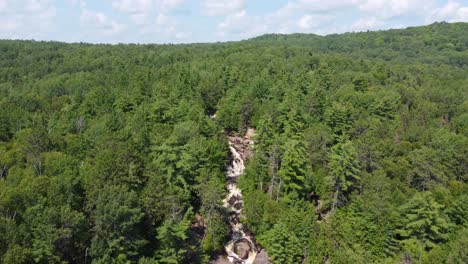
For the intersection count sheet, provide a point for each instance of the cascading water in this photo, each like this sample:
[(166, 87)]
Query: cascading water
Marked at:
[(241, 248)]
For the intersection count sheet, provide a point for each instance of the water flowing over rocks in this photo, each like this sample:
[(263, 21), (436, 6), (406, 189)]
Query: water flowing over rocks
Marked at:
[(241, 249)]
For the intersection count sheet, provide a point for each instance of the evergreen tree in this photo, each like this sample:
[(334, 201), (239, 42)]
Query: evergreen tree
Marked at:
[(173, 239), (293, 171), (360, 153), (423, 221), (339, 118), (282, 245), (117, 218), (344, 171)]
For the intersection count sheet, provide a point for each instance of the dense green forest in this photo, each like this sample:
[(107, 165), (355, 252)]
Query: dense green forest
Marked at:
[(108, 153)]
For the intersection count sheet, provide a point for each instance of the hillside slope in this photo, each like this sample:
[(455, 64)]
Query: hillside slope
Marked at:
[(437, 43), (111, 154)]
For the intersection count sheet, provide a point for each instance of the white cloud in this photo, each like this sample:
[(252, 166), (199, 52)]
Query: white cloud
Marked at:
[(146, 6), (242, 25), (221, 7), (323, 6), (369, 23), (386, 9), (99, 23), (140, 19), (3, 5), (451, 12), (152, 16), (167, 27), (160, 20), (295, 16), (79, 3), (235, 21), (168, 5), (133, 6), (308, 16), (8, 26), (36, 5), (26, 19), (307, 22)]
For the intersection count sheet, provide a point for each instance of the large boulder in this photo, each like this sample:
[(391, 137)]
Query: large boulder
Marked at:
[(242, 249)]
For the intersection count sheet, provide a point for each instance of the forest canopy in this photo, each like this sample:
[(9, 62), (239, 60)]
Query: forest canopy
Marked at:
[(108, 153)]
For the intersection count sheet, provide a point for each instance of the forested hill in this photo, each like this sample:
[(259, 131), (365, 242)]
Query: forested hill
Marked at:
[(110, 154), (436, 43)]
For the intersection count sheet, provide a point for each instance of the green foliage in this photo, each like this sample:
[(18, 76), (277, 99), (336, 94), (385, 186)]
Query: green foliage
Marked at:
[(427, 169), (344, 171), (456, 249), (293, 171), (291, 239), (172, 235), (116, 219), (111, 154), (339, 118), (423, 223), (283, 247)]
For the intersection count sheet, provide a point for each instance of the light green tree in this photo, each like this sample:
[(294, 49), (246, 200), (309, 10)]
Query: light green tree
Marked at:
[(293, 171), (423, 221)]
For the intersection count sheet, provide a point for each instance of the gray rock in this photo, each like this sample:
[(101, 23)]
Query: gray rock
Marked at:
[(242, 249)]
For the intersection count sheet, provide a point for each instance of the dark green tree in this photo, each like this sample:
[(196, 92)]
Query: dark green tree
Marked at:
[(116, 221), (344, 170)]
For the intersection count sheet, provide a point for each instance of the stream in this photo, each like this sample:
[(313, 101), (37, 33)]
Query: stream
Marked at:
[(241, 248)]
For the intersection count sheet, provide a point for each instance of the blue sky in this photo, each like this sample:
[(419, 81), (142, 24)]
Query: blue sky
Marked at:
[(183, 21)]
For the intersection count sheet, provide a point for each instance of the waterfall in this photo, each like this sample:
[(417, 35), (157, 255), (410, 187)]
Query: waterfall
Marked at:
[(241, 248)]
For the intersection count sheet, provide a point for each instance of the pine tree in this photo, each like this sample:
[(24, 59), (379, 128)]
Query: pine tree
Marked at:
[(116, 220), (339, 118), (172, 237), (282, 245), (293, 171), (343, 169), (423, 221)]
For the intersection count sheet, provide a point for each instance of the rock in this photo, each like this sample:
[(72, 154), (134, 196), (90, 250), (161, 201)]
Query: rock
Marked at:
[(250, 133), (234, 199), (239, 147), (262, 258), (220, 260), (242, 249)]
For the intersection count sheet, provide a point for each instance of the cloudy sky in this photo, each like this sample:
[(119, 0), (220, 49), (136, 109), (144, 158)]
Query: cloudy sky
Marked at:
[(181, 21)]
